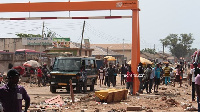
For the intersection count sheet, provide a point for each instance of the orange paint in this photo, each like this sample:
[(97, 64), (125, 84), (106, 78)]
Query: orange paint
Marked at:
[(69, 6), (135, 57), (88, 6)]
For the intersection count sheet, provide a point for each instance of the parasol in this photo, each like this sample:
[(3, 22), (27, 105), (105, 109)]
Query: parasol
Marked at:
[(31, 63), (110, 58), (143, 61)]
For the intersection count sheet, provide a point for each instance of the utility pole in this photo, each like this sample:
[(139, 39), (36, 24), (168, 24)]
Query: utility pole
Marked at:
[(80, 51), (107, 51), (154, 48), (163, 50), (123, 52), (41, 40)]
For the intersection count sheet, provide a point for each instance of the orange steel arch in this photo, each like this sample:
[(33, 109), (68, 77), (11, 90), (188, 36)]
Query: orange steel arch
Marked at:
[(89, 6)]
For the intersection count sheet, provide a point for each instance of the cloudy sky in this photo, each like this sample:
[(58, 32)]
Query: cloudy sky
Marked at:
[(158, 18)]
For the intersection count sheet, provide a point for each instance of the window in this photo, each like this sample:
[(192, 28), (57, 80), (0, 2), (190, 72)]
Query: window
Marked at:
[(67, 64)]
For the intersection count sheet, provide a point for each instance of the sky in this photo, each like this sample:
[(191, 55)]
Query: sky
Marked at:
[(158, 19)]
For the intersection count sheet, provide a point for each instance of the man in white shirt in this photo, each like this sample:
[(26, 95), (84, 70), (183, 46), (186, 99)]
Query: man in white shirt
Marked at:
[(151, 79), (194, 73), (197, 85), (1, 80)]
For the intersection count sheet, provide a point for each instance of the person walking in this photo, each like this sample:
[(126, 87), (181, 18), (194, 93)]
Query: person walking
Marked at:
[(123, 73), (12, 94), (151, 80), (157, 77), (197, 87), (32, 76), (45, 72), (39, 75), (146, 78), (106, 75), (178, 76), (101, 75), (167, 74), (83, 80), (129, 80), (117, 67), (115, 75), (140, 71), (1, 80), (110, 75), (194, 73)]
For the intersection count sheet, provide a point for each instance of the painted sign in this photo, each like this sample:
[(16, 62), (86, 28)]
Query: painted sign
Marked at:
[(55, 42), (37, 41), (61, 42)]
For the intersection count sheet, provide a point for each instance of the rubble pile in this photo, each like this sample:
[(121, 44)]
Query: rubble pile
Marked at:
[(172, 102), (188, 107), (59, 103)]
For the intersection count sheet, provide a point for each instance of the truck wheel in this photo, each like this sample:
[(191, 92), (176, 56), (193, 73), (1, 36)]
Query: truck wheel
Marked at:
[(52, 89), (92, 87), (68, 89), (77, 88)]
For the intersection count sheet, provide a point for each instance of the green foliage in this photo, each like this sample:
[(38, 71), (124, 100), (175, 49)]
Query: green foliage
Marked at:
[(151, 51), (179, 45), (49, 34), (27, 35)]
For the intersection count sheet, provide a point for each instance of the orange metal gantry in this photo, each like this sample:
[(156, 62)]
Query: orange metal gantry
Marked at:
[(89, 6)]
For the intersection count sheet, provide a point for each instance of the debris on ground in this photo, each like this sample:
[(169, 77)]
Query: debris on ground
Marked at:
[(171, 102)]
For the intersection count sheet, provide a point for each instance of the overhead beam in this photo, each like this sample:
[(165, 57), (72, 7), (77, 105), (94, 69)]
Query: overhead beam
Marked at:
[(69, 6), (91, 17)]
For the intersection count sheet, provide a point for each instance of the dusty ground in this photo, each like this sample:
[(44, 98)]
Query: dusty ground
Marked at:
[(168, 99)]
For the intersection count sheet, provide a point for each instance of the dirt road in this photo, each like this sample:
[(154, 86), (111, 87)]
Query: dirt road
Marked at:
[(168, 99)]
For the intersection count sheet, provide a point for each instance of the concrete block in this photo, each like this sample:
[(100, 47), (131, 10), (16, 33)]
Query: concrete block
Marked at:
[(134, 108)]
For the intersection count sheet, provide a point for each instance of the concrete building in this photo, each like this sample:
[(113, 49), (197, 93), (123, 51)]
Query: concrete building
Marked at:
[(121, 49), (10, 45)]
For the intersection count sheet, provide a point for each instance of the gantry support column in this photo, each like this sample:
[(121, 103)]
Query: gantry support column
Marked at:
[(135, 57)]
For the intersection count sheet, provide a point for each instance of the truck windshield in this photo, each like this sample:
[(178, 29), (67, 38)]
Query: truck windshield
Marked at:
[(67, 64)]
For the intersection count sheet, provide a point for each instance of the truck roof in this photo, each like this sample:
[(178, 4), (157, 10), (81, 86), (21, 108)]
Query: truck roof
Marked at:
[(75, 57)]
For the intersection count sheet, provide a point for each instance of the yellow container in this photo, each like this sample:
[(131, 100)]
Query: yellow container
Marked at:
[(112, 95)]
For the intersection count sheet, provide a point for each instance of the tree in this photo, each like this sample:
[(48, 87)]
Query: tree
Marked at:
[(179, 45), (151, 51), (27, 35), (49, 34)]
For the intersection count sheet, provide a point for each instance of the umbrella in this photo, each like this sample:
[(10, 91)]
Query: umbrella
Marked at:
[(20, 69), (110, 58), (31, 63), (143, 61)]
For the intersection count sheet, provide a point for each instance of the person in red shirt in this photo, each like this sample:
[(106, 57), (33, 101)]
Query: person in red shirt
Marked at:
[(39, 75), (20, 69), (129, 80)]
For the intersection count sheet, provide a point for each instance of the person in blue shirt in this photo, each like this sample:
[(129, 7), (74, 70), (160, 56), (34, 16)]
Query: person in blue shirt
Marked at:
[(157, 70)]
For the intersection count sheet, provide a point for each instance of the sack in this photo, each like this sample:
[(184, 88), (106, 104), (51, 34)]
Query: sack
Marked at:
[(171, 74)]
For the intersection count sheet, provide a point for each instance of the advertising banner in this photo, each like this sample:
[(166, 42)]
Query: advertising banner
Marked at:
[(61, 42), (55, 42), (37, 41)]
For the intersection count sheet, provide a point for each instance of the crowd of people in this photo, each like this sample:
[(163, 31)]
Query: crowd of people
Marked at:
[(36, 75), (148, 75)]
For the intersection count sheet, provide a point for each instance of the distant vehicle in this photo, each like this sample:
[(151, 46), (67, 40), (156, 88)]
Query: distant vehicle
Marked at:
[(66, 68)]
